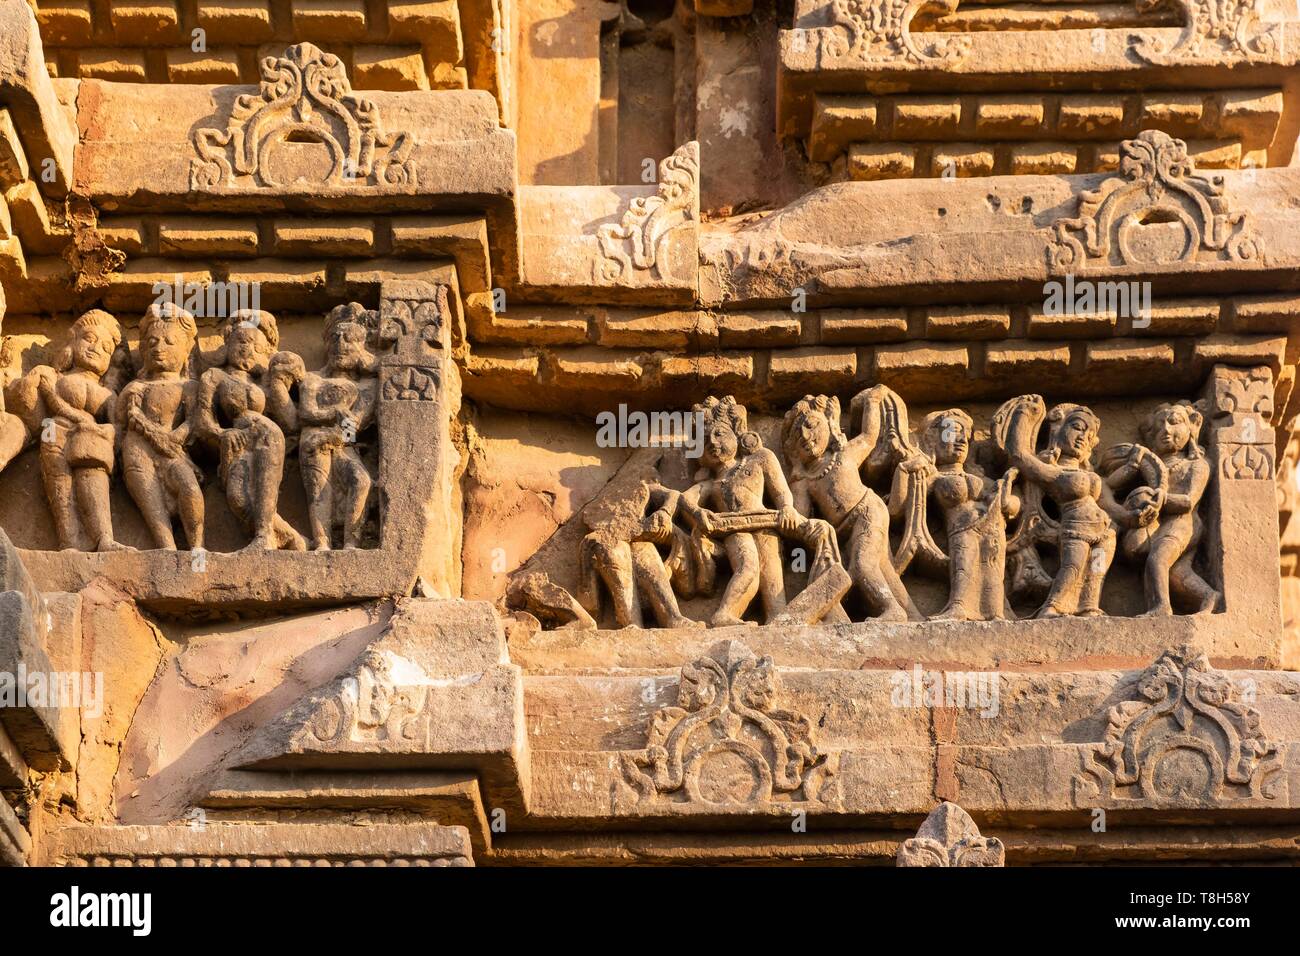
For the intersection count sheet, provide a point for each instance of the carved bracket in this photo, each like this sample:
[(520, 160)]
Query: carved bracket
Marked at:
[(949, 837), (304, 99), (639, 243), (725, 741), (1184, 739), (880, 31), (1155, 211)]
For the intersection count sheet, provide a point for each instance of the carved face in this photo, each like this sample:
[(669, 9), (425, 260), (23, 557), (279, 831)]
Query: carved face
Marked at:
[(1170, 430), (719, 443), (347, 347), (244, 348), (92, 350), (166, 346), (1076, 437), (952, 441), (812, 436)]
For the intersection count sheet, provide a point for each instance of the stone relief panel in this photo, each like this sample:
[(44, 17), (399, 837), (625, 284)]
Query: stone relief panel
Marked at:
[(169, 429), (1026, 513), (1184, 738)]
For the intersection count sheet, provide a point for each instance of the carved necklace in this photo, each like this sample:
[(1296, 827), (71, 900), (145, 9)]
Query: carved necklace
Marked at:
[(831, 461)]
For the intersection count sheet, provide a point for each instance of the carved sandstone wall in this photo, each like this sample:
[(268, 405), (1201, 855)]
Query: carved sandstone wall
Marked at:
[(617, 432)]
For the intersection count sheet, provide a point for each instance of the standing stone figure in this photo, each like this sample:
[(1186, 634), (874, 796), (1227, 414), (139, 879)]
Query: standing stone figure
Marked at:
[(70, 411), (1086, 532), (1168, 541), (153, 418), (825, 469), (336, 405), (230, 411), (975, 510)]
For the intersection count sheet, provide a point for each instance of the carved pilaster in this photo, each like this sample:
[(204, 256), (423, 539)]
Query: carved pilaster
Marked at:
[(418, 399), (1241, 447)]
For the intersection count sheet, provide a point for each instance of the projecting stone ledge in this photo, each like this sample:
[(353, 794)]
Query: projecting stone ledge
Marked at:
[(275, 844)]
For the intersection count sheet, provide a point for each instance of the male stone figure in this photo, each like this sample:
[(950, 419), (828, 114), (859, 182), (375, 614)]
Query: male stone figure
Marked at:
[(336, 405), (153, 418)]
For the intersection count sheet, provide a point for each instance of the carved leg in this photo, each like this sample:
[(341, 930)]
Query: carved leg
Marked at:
[(651, 579), (614, 564), (316, 467), (965, 579), (743, 554), (1191, 587), (1155, 576), (147, 493), (1063, 599), (184, 486), (267, 460), (357, 493), (93, 504), (771, 575), (1094, 577), (873, 573), (58, 489)]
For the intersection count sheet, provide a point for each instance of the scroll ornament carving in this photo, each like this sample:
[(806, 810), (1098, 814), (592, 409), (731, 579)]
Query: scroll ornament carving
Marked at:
[(304, 98), (881, 31), (726, 741), (1210, 27), (1127, 220), (372, 706), (1185, 739), (638, 243), (949, 837)]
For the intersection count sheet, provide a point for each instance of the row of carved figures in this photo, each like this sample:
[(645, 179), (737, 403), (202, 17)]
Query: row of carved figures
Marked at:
[(248, 402), (1028, 502)]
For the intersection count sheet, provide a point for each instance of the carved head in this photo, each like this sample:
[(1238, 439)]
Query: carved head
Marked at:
[(811, 428), (92, 340), (946, 436), (726, 431), (251, 338), (167, 336), (346, 333), (288, 366), (1074, 431), (702, 682), (1173, 429)]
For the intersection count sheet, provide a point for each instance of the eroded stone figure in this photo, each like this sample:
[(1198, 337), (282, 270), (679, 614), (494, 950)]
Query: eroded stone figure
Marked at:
[(1170, 500), (230, 411), (826, 480), (336, 405), (154, 421), (68, 411), (1085, 533), (623, 553), (741, 496), (975, 511)]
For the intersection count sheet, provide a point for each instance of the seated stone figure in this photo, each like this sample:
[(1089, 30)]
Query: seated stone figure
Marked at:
[(623, 553), (154, 422), (230, 411), (336, 405), (69, 411), (742, 497)]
